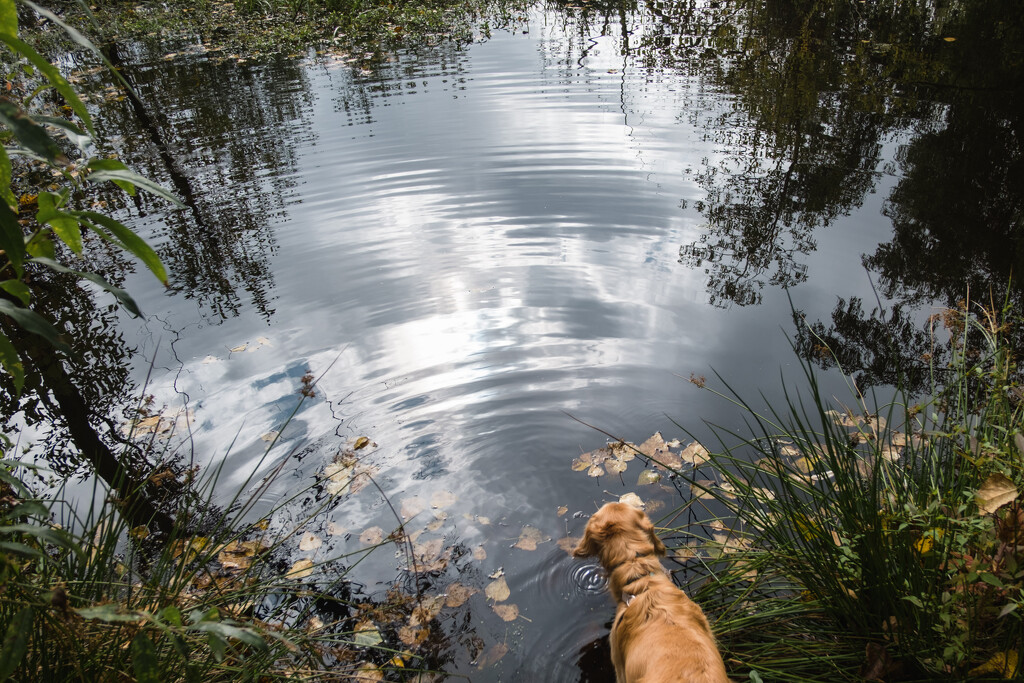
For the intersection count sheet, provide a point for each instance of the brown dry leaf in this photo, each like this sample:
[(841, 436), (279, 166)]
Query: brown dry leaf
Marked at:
[(996, 492), (310, 541), (615, 466), (686, 552), (632, 499), (562, 510), (361, 479), (367, 673), (701, 489), (438, 522), (239, 554), (695, 454), (338, 476), (428, 550), (361, 442), (529, 538), (271, 435), (457, 594), (496, 574), (427, 610), (239, 349), (412, 636), (595, 471), (372, 536), (479, 554), (654, 505), (442, 499), (412, 507), (578, 465), (506, 612), (623, 450), (300, 570), (491, 655), (497, 590), (335, 529), (568, 543), (654, 446), (314, 624), (190, 547)]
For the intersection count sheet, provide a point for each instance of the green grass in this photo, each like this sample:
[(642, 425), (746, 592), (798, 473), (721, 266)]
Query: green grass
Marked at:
[(878, 541)]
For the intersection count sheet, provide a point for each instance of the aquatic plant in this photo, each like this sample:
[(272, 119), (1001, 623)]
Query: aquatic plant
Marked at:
[(867, 541)]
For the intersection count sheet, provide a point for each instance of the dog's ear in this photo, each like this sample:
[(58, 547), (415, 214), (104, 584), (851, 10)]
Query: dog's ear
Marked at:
[(659, 547), (593, 535)]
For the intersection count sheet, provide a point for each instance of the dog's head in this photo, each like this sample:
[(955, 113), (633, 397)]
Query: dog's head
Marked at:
[(618, 532)]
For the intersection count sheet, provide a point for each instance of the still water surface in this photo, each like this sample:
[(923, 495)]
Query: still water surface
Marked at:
[(469, 245)]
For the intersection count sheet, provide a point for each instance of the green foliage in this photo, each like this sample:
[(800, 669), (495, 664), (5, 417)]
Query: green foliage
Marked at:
[(65, 148), (881, 543)]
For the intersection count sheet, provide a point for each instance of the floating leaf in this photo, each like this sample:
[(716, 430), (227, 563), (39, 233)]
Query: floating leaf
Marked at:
[(361, 442), (595, 471), (457, 594), (654, 447), (648, 477), (529, 538), (479, 554), (365, 634), (568, 543), (271, 435), (695, 454), (623, 450), (442, 499), (300, 570), (240, 554), (412, 507), (372, 536), (506, 612), (491, 655), (616, 466), (410, 635), (996, 492), (496, 574), (498, 590), (561, 510), (335, 529), (239, 349), (427, 610), (632, 499), (310, 541)]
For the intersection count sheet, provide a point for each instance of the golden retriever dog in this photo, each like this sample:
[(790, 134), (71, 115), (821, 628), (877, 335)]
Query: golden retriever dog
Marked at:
[(659, 635)]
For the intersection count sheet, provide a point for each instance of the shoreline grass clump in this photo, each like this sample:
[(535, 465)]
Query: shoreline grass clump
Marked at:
[(874, 542), (221, 598)]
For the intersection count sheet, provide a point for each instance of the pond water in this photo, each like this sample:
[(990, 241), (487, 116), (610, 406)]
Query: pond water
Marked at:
[(469, 246)]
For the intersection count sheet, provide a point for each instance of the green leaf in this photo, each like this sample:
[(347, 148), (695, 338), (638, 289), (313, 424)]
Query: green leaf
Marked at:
[(15, 642), (128, 179), (171, 615), (109, 613), (12, 363), (128, 239), (34, 323), (217, 645), (41, 245), (246, 635), (5, 177), (17, 289), (15, 548), (30, 134), (144, 660), (64, 224), (12, 239), (8, 27), (78, 136), (914, 601), (121, 295), (59, 82)]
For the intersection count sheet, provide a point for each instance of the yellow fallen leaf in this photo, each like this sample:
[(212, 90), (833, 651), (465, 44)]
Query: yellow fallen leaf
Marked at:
[(1004, 664), (309, 541), (695, 454), (648, 477), (561, 510), (595, 471), (497, 590), (361, 442), (410, 635), (506, 612), (300, 570), (271, 435), (365, 634)]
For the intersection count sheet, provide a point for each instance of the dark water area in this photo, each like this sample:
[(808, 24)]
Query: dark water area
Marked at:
[(469, 244)]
